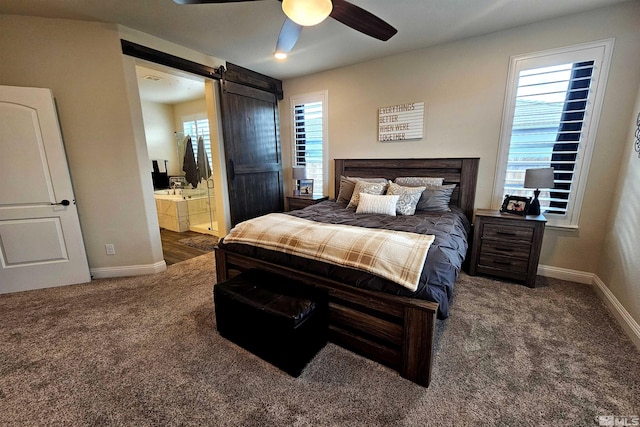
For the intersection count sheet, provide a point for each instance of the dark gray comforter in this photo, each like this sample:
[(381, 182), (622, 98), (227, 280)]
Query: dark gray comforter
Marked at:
[(442, 265)]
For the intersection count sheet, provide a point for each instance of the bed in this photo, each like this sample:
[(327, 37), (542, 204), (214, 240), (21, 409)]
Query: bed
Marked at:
[(372, 316)]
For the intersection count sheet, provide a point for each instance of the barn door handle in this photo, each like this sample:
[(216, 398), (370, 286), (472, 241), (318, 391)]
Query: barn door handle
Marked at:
[(64, 202), (232, 170)]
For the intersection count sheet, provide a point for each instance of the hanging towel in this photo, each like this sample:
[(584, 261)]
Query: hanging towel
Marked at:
[(189, 166), (203, 160)]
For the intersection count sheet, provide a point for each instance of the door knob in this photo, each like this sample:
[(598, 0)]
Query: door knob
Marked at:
[(64, 202)]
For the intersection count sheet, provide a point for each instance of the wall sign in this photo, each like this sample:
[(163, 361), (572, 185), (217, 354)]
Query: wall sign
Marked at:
[(400, 122)]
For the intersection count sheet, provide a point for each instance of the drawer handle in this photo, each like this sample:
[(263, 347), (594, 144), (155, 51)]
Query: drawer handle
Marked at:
[(502, 262), (506, 233), (504, 249)]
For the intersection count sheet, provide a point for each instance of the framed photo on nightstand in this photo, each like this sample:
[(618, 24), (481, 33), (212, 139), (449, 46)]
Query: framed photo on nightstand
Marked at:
[(306, 187), (516, 205)]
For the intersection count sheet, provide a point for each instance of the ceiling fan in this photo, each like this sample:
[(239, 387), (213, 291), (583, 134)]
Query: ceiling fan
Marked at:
[(305, 13)]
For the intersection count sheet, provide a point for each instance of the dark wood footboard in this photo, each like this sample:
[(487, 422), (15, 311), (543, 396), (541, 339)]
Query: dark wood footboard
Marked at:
[(392, 330)]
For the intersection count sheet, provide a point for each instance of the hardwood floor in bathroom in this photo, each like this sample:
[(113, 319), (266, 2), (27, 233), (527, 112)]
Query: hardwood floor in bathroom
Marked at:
[(173, 250)]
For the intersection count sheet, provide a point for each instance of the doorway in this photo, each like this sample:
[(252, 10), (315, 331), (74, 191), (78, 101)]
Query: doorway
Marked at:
[(180, 141)]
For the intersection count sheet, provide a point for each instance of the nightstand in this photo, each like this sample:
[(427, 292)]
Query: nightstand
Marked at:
[(302, 201), (507, 245)]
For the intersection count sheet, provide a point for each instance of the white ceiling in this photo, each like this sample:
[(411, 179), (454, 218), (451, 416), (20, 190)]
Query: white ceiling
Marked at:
[(172, 87), (245, 33)]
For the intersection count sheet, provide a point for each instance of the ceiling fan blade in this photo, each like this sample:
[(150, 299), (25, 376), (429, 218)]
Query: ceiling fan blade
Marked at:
[(360, 20), (208, 1), (288, 37)]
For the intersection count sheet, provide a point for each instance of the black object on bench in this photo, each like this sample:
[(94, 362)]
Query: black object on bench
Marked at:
[(278, 319)]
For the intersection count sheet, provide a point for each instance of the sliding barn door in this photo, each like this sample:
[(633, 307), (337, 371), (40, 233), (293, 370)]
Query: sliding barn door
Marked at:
[(41, 242), (252, 151)]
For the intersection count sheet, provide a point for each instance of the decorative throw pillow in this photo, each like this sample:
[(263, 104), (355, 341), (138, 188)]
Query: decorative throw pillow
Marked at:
[(368, 188), (377, 204), (418, 181), (408, 200), (436, 198), (347, 184)]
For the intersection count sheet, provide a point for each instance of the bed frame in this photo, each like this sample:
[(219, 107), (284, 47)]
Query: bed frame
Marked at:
[(393, 330)]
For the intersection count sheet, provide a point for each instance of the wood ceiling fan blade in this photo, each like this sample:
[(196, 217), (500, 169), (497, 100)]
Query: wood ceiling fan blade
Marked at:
[(208, 1), (360, 20), (288, 37)]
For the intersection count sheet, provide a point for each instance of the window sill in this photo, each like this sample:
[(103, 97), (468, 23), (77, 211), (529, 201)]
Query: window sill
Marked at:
[(560, 227)]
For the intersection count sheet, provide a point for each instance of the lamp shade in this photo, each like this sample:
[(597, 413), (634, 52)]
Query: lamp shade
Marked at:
[(299, 173), (539, 178), (307, 12)]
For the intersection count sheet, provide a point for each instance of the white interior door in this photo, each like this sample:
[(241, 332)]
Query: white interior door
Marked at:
[(40, 238)]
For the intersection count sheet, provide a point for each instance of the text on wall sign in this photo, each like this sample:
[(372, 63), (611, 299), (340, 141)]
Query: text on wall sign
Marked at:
[(400, 122)]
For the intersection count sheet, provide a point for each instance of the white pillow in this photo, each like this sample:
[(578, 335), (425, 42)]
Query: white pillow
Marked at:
[(377, 204)]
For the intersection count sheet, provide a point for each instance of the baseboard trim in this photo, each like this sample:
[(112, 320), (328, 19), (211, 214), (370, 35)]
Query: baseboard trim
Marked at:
[(566, 274), (128, 270), (628, 323)]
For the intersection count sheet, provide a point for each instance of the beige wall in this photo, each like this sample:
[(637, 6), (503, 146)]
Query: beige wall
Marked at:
[(463, 87), (620, 265), (160, 123), (99, 107), (83, 64), (159, 131), (187, 109)]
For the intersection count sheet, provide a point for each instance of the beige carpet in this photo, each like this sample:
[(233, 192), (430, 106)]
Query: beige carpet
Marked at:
[(145, 352)]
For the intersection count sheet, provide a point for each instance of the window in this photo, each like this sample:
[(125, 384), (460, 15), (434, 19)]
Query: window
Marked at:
[(309, 126), (550, 120), (196, 128)]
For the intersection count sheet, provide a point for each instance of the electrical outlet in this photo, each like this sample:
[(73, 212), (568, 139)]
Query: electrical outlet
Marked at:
[(110, 248)]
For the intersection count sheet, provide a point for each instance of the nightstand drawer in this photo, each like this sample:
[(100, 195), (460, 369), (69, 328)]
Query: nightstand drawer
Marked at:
[(513, 265), (301, 202), (504, 248), (295, 204), (507, 232)]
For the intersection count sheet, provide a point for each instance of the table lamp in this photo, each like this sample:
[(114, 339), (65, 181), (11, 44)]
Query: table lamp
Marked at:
[(299, 172), (537, 178)]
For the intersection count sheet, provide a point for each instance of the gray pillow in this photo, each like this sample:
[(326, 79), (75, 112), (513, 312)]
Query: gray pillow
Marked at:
[(347, 184), (436, 198), (418, 181), (409, 197), (376, 188)]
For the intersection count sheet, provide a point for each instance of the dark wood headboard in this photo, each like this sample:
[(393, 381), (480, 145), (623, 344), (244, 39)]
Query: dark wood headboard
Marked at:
[(461, 171)]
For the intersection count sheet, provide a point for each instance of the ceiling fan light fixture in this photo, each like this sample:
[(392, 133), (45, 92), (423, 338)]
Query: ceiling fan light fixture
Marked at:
[(281, 56), (307, 12)]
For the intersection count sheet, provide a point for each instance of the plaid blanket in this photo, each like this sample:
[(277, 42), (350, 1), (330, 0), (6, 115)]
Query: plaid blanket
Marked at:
[(395, 255)]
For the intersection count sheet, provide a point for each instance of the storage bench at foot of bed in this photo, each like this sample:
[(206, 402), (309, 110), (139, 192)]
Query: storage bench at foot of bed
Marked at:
[(282, 321), (392, 330)]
